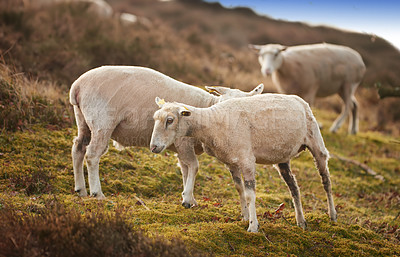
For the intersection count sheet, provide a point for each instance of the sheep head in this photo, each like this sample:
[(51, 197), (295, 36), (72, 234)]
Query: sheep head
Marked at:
[(168, 125), (269, 57)]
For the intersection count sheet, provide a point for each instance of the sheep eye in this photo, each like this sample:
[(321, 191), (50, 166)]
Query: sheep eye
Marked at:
[(169, 121)]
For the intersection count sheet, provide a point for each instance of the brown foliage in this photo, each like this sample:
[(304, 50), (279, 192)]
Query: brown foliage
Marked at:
[(193, 41), (24, 102), (57, 232), (36, 182)]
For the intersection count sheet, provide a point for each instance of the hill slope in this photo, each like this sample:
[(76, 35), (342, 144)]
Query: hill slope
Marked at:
[(36, 178), (210, 22), (44, 50)]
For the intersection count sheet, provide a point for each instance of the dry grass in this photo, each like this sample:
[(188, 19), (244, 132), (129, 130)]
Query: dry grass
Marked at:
[(55, 231), (198, 43), (24, 102), (229, 32)]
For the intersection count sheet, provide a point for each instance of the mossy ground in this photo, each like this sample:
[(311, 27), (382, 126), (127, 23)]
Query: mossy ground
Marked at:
[(36, 168)]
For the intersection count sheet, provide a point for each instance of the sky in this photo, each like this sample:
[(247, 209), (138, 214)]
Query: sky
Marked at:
[(380, 17)]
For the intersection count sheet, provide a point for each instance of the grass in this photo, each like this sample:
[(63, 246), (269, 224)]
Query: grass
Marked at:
[(24, 102), (41, 215), (36, 169)]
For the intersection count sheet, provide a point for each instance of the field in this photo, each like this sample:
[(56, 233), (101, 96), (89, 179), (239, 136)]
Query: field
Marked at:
[(40, 215), (143, 191)]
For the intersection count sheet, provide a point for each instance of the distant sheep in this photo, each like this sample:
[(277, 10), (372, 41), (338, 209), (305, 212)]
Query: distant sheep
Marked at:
[(99, 7), (317, 70), (128, 18), (267, 129), (117, 102)]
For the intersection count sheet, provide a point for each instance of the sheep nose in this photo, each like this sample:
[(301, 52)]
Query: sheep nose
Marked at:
[(266, 72), (153, 148)]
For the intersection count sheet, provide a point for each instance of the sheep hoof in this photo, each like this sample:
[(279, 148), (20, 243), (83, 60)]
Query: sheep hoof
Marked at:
[(186, 205), (333, 130), (302, 224), (98, 196), (333, 217), (81, 192), (252, 228)]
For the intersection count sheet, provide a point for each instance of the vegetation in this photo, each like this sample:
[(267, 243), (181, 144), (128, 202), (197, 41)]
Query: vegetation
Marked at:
[(36, 174), (58, 232), (24, 102), (44, 50)]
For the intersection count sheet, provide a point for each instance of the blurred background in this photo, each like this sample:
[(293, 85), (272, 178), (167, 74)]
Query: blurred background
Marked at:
[(45, 45)]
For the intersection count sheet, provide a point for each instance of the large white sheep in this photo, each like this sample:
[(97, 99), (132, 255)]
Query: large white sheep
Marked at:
[(316, 70), (267, 129), (117, 102)]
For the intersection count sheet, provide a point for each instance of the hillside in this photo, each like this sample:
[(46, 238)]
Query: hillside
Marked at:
[(43, 50), (210, 22), (193, 41)]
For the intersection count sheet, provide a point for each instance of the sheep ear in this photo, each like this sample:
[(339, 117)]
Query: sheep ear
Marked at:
[(214, 90), (255, 48), (283, 48), (159, 102), (186, 113), (218, 90), (258, 90), (211, 89)]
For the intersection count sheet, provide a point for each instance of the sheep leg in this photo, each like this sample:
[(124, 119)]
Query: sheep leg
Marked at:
[(353, 126), (190, 167), (322, 165), (324, 173), (250, 195), (188, 198), (310, 99), (97, 147), (310, 96), (79, 151), (321, 156), (184, 171), (289, 178), (345, 95), (237, 178)]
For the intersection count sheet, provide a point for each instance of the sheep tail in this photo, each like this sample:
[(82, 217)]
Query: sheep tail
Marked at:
[(73, 94)]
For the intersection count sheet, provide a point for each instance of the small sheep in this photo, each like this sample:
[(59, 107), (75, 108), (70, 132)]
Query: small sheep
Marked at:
[(128, 19), (117, 102), (266, 129), (317, 70)]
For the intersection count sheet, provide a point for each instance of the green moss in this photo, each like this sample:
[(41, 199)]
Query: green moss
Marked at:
[(367, 208)]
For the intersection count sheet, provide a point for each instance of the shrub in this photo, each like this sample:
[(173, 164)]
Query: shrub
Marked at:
[(25, 102), (37, 182), (57, 232)]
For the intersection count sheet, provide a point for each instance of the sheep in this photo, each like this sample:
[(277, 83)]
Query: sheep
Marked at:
[(316, 70), (99, 7), (116, 102), (266, 129), (128, 19)]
